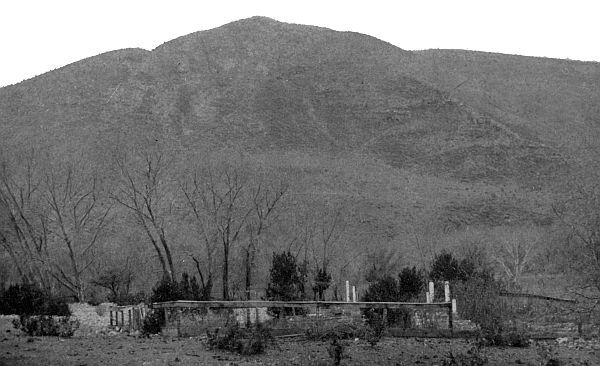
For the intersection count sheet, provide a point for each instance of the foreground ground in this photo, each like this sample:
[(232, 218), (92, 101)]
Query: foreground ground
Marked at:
[(120, 349)]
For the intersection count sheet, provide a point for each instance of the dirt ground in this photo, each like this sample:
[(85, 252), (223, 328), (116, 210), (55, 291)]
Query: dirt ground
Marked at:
[(121, 349)]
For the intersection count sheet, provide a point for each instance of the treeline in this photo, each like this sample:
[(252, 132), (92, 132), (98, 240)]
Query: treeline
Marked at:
[(74, 228), (112, 230)]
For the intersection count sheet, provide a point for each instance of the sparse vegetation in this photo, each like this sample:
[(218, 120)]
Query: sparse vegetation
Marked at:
[(46, 325), (245, 341), (28, 299), (321, 161), (473, 357)]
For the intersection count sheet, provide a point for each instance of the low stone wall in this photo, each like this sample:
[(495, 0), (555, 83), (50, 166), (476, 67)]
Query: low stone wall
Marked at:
[(92, 319), (189, 322)]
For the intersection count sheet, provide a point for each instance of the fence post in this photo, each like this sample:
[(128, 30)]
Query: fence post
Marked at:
[(347, 291), (450, 320), (431, 291), (446, 291), (129, 316), (111, 317), (454, 309), (353, 293)]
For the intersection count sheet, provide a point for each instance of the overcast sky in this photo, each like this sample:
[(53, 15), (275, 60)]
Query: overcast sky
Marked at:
[(38, 36)]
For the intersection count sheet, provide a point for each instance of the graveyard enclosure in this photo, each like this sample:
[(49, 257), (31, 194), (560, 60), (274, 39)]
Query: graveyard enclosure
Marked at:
[(193, 318)]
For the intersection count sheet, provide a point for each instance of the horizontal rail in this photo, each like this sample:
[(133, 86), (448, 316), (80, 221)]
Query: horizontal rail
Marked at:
[(294, 304), (533, 296)]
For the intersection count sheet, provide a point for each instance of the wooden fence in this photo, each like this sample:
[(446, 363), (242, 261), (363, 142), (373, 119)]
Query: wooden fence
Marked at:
[(129, 318)]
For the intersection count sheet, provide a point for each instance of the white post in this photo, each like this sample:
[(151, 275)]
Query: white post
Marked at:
[(353, 293), (347, 291), (431, 291), (454, 309), (428, 297), (446, 291)]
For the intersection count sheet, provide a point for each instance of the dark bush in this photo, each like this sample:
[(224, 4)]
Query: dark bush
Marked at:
[(383, 290), (285, 282), (27, 299), (46, 325), (245, 341), (153, 322), (375, 329), (411, 282), (166, 290), (322, 283), (446, 268)]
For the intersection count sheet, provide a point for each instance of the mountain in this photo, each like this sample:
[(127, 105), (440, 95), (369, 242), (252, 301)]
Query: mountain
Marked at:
[(423, 144)]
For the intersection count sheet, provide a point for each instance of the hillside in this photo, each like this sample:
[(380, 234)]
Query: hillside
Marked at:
[(422, 144)]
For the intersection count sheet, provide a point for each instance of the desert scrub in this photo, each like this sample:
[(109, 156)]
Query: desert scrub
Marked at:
[(46, 325), (334, 331), (153, 322), (245, 341), (27, 299), (473, 357)]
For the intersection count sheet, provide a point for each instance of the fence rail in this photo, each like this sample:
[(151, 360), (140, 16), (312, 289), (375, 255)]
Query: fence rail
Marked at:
[(534, 296), (294, 304)]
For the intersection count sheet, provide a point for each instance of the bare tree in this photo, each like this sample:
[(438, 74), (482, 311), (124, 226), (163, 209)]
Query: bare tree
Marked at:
[(265, 199), (514, 252), (227, 209), (143, 189), (194, 191), (23, 230), (580, 215), (77, 216)]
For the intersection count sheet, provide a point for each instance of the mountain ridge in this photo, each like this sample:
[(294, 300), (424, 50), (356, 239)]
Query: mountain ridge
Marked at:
[(391, 131)]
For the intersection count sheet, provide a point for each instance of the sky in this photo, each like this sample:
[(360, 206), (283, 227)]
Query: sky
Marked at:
[(39, 36)]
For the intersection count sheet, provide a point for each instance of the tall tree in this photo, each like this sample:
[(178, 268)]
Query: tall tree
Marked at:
[(78, 214), (579, 212), (143, 188), (23, 224)]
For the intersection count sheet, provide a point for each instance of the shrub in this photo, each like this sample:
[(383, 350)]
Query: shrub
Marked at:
[(473, 357), (245, 341), (322, 283), (153, 322), (335, 331), (27, 299), (284, 284), (375, 329), (166, 290), (336, 351), (46, 325), (411, 283), (501, 338), (446, 268)]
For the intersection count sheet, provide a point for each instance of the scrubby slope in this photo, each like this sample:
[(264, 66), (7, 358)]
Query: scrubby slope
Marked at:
[(418, 142)]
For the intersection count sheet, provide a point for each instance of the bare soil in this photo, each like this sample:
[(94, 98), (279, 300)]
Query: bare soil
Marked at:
[(121, 349)]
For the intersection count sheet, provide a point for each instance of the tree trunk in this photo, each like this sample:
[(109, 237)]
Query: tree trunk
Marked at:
[(225, 272)]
